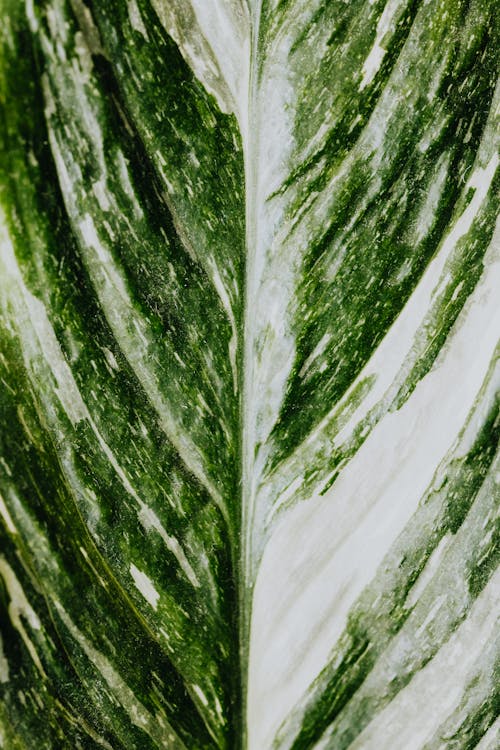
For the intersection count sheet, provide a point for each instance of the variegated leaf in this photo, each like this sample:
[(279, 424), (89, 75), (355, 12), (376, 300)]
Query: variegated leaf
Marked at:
[(249, 325)]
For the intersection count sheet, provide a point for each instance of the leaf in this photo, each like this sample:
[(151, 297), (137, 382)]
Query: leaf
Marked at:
[(249, 362)]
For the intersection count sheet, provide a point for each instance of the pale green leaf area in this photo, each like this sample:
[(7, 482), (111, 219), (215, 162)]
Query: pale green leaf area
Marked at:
[(249, 375)]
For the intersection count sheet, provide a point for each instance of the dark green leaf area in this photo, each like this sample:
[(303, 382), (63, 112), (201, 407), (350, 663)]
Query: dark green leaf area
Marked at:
[(116, 460), (382, 231), (354, 666), (54, 709), (334, 83), (125, 222), (195, 148), (64, 560), (109, 390)]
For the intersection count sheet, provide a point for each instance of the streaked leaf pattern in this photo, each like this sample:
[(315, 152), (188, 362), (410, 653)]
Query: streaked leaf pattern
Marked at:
[(249, 338)]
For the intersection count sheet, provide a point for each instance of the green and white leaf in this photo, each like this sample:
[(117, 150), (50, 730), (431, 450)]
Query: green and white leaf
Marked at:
[(249, 338)]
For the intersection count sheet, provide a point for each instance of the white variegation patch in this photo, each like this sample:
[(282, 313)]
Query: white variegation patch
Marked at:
[(20, 610), (214, 38), (145, 586), (4, 664)]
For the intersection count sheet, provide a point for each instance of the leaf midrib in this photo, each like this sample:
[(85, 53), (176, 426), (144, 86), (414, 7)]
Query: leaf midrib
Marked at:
[(249, 136)]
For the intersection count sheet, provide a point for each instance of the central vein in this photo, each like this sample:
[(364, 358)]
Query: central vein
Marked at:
[(249, 132)]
